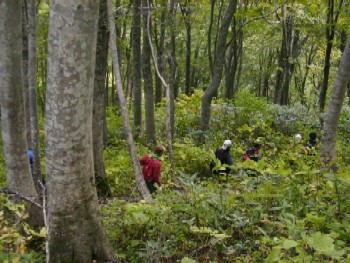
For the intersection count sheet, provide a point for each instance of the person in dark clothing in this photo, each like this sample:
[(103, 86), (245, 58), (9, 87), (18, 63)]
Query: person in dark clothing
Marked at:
[(253, 153), (223, 155), (312, 142), (151, 168), (30, 157), (310, 145)]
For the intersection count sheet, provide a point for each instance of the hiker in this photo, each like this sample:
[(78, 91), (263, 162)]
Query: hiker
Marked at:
[(151, 168), (30, 157), (253, 153), (311, 144), (223, 155)]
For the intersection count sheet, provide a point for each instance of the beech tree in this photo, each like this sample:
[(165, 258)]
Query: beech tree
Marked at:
[(13, 123), (328, 141), (32, 94), (136, 65), (72, 199), (99, 102), (148, 81), (219, 57)]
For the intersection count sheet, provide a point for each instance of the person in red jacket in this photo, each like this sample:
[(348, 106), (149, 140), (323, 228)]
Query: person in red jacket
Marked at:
[(151, 168)]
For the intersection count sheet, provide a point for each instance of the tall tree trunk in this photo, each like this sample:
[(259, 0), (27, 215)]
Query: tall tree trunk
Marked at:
[(332, 19), (328, 141), (19, 178), (217, 66), (173, 66), (99, 108), (140, 182), (33, 101), (186, 13), (160, 55), (148, 81), (72, 199), (25, 70), (136, 60)]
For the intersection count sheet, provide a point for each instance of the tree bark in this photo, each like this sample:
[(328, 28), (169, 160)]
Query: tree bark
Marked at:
[(217, 66), (148, 82), (186, 13), (19, 177), (332, 19), (33, 101), (98, 116), (72, 199), (140, 182), (328, 141), (160, 55), (136, 60), (25, 71)]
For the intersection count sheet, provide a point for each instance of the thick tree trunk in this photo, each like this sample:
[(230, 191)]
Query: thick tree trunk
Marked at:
[(19, 178), (72, 199), (148, 82), (217, 66), (328, 141), (98, 116), (33, 101), (140, 182), (136, 60)]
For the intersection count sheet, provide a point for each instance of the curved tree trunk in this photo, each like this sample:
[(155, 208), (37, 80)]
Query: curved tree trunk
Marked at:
[(72, 199), (140, 182), (328, 142), (19, 178), (217, 66), (98, 112)]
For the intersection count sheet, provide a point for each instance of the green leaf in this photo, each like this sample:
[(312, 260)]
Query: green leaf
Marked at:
[(274, 256), (187, 260), (320, 242), (288, 243)]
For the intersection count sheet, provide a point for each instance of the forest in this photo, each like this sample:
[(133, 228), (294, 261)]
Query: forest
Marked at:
[(89, 87)]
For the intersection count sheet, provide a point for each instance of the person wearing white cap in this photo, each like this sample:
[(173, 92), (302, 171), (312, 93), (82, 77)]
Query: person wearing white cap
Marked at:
[(223, 154)]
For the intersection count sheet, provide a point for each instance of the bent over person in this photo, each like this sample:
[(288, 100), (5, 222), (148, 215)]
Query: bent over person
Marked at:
[(223, 154), (151, 168)]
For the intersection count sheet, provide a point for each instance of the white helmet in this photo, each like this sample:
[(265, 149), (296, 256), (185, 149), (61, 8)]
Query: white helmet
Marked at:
[(297, 137), (227, 144)]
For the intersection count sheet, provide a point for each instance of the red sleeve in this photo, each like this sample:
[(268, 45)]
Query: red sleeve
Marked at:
[(156, 172)]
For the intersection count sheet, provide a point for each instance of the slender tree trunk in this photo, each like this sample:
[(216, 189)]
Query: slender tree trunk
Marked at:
[(25, 71), (148, 81), (19, 178), (33, 101), (160, 55), (328, 141), (136, 60), (140, 182), (332, 18), (99, 107), (186, 13), (169, 99), (217, 67), (72, 198), (173, 66)]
